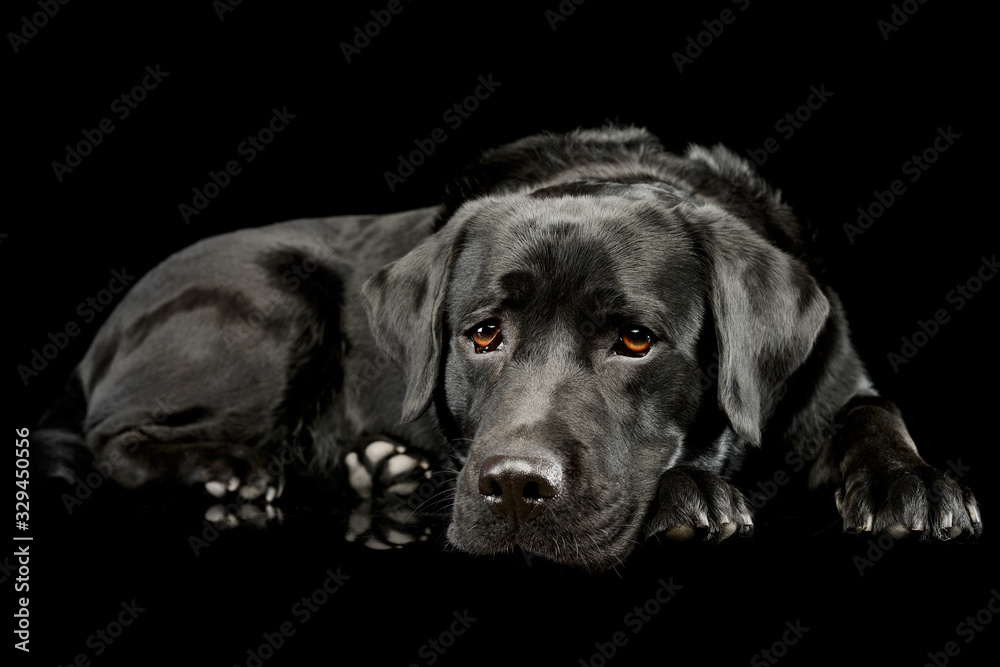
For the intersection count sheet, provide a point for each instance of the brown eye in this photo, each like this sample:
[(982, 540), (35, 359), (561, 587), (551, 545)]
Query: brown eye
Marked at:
[(487, 336), (634, 342)]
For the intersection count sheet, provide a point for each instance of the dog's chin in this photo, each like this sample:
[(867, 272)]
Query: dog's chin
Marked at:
[(566, 547)]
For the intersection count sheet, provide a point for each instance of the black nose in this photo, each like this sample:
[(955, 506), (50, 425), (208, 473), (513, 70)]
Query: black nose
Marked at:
[(516, 487)]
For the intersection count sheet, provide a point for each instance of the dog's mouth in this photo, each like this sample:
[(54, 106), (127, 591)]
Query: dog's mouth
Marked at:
[(596, 542)]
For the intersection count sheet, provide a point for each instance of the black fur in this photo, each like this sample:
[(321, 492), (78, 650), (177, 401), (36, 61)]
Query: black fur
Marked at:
[(570, 444)]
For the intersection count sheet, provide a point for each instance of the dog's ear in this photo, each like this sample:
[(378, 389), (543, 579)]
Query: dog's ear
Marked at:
[(404, 302), (768, 311)]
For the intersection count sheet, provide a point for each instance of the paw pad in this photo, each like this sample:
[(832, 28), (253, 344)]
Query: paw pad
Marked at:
[(383, 466), (244, 503)]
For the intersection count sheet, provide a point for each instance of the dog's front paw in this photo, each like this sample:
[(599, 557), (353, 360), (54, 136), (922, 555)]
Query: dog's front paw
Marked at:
[(384, 474), (696, 503), (243, 486), (244, 501), (385, 469), (387, 528), (907, 498)]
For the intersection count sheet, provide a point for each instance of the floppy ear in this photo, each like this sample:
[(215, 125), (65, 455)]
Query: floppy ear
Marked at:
[(768, 312), (404, 302)]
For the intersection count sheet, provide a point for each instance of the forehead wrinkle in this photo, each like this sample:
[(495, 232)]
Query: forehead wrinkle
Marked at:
[(572, 246)]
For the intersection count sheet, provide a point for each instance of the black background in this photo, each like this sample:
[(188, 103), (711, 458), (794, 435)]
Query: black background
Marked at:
[(606, 61)]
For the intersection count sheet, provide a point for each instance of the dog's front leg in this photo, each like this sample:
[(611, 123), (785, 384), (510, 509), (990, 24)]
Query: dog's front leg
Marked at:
[(698, 504), (884, 486)]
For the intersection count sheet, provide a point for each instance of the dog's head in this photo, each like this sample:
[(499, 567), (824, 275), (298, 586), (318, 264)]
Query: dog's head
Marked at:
[(563, 317)]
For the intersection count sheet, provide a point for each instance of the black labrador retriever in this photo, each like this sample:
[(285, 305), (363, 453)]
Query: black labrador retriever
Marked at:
[(547, 328)]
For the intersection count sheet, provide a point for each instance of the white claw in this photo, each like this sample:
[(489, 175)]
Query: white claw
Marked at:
[(234, 483), (973, 514), (727, 530)]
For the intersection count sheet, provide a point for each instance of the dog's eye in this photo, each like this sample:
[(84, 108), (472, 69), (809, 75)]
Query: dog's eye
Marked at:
[(634, 342), (486, 336)]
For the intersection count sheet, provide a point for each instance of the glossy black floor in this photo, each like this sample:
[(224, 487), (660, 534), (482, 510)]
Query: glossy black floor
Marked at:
[(134, 582), (136, 579)]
